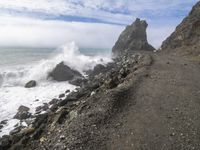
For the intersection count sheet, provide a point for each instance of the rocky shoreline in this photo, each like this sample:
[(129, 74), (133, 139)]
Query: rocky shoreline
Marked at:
[(88, 118), (113, 78)]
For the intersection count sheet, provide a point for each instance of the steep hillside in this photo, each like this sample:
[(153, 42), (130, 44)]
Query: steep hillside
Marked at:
[(187, 33)]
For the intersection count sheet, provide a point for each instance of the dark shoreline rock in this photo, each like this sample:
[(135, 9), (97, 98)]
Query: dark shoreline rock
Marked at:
[(63, 72), (31, 84), (23, 113)]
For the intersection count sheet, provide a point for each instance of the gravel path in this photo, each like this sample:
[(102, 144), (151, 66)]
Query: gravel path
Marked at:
[(165, 112)]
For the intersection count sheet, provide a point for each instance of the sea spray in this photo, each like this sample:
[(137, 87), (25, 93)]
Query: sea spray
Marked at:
[(12, 81), (69, 53)]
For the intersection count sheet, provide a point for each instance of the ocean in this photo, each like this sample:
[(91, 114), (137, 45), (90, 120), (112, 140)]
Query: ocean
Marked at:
[(20, 65)]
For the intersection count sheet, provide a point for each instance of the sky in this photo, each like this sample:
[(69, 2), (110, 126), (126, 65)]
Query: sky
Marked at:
[(89, 23)]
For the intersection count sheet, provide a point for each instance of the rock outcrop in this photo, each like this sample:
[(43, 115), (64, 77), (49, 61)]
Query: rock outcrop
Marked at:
[(23, 113), (63, 72), (187, 33), (133, 38)]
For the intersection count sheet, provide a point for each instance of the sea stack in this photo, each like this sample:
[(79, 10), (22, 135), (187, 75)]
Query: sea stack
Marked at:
[(187, 33), (133, 38)]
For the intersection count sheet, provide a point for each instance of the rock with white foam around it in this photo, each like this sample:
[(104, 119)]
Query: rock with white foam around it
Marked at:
[(23, 113), (63, 72), (31, 84)]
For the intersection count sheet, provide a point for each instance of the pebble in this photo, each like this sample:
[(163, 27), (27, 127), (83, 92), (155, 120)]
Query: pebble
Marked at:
[(62, 137)]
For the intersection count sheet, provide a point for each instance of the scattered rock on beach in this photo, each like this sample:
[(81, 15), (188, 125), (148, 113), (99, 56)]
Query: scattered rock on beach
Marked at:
[(53, 101), (31, 84), (23, 113), (61, 95), (78, 81), (67, 91), (4, 122)]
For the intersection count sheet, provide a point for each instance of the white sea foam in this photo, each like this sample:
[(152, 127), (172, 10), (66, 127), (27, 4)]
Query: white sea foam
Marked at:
[(12, 81)]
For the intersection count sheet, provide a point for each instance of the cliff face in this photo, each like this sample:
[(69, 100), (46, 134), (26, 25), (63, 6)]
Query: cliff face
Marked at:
[(133, 38), (187, 33)]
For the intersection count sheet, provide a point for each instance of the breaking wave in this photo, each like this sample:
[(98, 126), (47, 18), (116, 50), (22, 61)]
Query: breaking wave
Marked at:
[(68, 53)]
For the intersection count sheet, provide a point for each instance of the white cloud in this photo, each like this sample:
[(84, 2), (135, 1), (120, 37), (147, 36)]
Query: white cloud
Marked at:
[(20, 31), (16, 30), (125, 10)]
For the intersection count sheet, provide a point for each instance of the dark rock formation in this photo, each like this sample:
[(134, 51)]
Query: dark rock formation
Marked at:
[(4, 122), (61, 95), (23, 113), (99, 68), (31, 84), (44, 107), (78, 81), (187, 33), (133, 38), (63, 72), (5, 143)]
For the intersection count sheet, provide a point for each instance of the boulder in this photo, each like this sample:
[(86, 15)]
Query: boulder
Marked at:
[(31, 84), (63, 72), (44, 107), (4, 122), (61, 95), (23, 113), (67, 91), (99, 68), (133, 38), (53, 101), (187, 33), (40, 119), (78, 81), (5, 143)]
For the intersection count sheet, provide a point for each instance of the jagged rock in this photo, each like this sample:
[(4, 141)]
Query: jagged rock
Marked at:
[(63, 72), (40, 119), (53, 101), (31, 84), (4, 122), (99, 68), (78, 81), (16, 130), (61, 95), (67, 91), (66, 100), (54, 107), (187, 33), (5, 143), (44, 107), (23, 113), (133, 38)]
